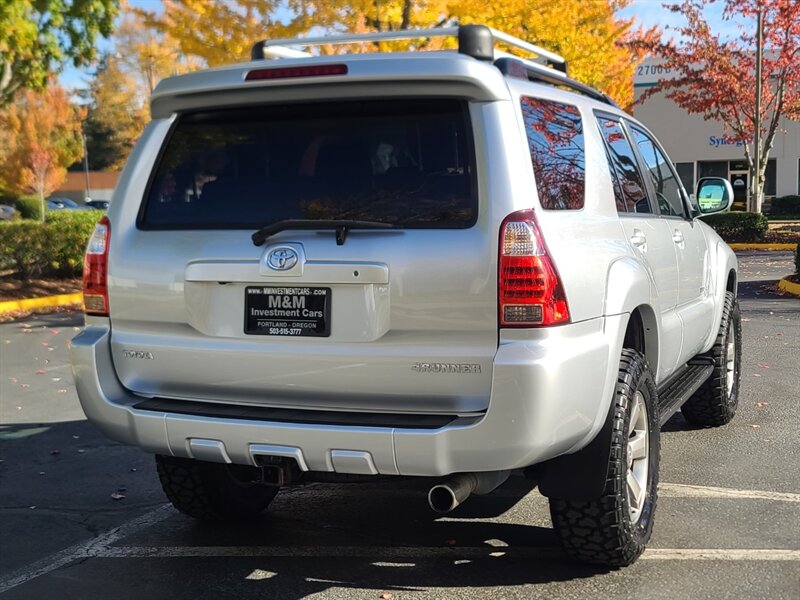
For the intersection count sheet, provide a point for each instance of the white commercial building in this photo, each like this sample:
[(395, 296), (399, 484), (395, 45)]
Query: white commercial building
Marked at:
[(699, 148)]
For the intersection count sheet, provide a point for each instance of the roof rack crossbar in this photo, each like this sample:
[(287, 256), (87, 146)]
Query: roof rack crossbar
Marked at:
[(473, 40), (531, 71)]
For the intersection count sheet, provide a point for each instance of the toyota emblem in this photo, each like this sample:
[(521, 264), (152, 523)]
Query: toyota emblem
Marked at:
[(282, 259)]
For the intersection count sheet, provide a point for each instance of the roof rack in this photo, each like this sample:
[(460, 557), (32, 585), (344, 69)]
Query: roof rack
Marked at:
[(476, 41), (531, 71)]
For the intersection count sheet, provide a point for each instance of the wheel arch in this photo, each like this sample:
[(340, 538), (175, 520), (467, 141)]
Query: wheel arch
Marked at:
[(581, 475)]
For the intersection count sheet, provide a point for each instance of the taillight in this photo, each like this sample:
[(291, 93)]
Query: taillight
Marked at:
[(530, 293), (291, 72), (95, 270)]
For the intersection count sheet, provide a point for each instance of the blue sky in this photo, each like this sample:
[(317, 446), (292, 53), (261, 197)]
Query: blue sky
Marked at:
[(646, 12)]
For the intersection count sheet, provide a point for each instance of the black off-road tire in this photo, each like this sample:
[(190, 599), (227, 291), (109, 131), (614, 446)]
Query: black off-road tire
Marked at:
[(211, 491), (603, 531), (713, 404)]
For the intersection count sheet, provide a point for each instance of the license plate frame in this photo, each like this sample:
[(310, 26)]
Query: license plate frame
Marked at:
[(287, 311)]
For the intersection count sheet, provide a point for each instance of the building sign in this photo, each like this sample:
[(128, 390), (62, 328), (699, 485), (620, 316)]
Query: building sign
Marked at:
[(718, 141)]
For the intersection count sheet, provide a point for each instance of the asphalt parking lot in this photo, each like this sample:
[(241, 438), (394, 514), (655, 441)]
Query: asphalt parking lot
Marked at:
[(84, 517)]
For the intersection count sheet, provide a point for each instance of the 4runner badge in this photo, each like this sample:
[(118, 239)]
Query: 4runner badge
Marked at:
[(445, 368), (138, 354)]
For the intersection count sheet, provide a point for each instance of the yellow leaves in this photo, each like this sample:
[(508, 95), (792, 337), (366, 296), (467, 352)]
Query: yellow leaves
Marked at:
[(585, 32), (41, 135)]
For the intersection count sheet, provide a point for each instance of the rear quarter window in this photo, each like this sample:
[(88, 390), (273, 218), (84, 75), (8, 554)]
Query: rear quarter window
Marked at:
[(556, 143), (405, 162)]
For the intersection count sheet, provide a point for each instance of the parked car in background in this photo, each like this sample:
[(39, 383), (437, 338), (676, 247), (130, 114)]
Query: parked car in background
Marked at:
[(7, 213), (97, 204), (64, 204)]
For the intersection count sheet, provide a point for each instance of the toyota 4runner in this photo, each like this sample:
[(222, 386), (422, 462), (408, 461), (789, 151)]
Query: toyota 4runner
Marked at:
[(448, 264)]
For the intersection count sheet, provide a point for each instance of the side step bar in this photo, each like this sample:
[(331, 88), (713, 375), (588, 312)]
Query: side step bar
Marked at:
[(678, 388)]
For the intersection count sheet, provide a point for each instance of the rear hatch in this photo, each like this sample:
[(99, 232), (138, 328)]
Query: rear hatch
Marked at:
[(379, 295)]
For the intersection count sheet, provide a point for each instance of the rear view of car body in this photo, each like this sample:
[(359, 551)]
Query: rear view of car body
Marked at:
[(199, 346)]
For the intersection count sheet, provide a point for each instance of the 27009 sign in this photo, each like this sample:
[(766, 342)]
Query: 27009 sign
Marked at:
[(287, 311)]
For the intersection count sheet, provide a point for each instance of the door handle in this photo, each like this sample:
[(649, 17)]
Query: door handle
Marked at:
[(639, 240), (677, 237)]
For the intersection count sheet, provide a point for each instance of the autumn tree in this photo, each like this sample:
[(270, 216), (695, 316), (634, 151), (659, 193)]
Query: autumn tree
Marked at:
[(716, 77), (587, 34), (219, 32), (117, 115), (42, 136), (40, 36), (148, 53)]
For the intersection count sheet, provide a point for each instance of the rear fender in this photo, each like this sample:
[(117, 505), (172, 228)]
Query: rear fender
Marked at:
[(582, 474)]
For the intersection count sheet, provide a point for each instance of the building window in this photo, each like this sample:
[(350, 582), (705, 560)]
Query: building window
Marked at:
[(686, 173), (771, 178), (712, 168)]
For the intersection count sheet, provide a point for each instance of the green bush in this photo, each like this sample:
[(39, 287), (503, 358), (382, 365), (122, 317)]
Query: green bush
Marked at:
[(785, 206), (739, 226), (29, 207), (51, 249)]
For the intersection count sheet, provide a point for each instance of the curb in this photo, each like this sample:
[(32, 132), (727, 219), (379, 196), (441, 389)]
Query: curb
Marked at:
[(789, 287), (45, 302), (744, 246)]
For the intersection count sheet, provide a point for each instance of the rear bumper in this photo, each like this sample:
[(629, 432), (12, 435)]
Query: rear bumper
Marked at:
[(551, 390)]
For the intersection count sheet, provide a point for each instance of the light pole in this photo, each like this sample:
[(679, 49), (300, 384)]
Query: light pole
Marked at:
[(86, 195), (756, 204)]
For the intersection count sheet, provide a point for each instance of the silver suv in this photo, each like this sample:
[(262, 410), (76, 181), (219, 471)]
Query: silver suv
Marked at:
[(449, 265)]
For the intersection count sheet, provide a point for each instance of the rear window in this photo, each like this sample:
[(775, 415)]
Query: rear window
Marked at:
[(408, 163), (555, 140)]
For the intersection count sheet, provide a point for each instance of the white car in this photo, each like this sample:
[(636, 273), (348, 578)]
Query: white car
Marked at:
[(449, 265)]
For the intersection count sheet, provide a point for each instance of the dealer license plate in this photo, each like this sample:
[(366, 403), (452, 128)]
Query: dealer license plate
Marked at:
[(287, 311)]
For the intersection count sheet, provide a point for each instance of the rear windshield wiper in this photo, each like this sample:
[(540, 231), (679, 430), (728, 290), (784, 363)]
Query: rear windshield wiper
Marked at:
[(341, 227)]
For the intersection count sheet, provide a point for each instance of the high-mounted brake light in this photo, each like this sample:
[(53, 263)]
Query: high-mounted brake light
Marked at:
[(290, 72), (95, 270), (530, 293)]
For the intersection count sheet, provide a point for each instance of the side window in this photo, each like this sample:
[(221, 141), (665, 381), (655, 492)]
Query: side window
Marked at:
[(555, 140), (665, 182), (628, 183)]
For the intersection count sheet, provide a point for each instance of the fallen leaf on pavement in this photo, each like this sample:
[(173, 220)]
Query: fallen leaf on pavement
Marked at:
[(55, 331), (761, 404), (764, 366), (41, 372), (756, 375), (24, 386), (386, 596)]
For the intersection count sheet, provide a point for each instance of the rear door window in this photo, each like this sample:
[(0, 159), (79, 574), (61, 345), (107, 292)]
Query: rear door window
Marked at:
[(629, 189), (408, 163), (666, 184), (555, 140)]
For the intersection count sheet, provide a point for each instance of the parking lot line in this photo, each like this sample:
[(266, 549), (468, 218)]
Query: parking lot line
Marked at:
[(426, 552), (85, 549), (679, 490), (101, 546)]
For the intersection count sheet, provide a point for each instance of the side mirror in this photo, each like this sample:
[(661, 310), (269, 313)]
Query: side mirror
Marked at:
[(714, 194)]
